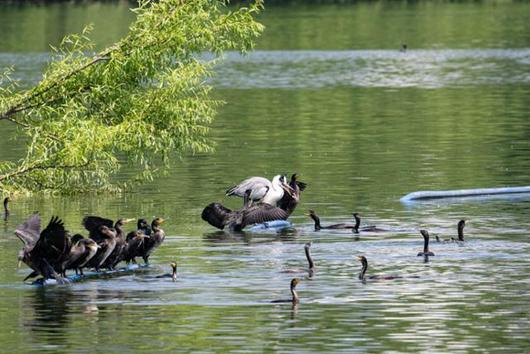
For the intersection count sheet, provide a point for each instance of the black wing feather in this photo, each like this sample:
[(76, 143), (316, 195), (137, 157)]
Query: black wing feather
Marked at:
[(216, 215), (93, 223), (56, 239), (263, 213)]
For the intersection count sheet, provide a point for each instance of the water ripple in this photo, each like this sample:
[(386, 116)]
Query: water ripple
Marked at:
[(374, 68)]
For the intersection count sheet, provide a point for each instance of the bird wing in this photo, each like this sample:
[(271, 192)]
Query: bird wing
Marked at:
[(29, 231), (257, 184), (55, 237), (262, 213), (93, 223), (216, 215)]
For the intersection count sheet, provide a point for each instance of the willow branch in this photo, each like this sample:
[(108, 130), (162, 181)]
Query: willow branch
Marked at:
[(27, 170)]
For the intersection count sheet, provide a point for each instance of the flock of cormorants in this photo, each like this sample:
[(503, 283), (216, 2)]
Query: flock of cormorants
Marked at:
[(53, 251)]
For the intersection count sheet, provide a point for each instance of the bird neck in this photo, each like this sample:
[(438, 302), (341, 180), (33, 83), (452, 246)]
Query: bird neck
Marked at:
[(425, 244), (317, 222), (119, 230), (357, 222), (363, 270), (461, 232), (174, 274), (6, 210), (309, 258), (296, 299)]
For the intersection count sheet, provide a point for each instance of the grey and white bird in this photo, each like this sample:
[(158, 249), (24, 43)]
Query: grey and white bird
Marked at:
[(260, 189)]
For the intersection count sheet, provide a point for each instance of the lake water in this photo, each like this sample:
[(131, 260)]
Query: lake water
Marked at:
[(329, 95)]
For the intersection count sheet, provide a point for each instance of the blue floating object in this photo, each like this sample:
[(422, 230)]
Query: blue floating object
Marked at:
[(74, 278), (462, 193), (274, 225)]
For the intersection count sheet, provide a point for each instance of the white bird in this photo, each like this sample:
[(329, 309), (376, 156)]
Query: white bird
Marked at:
[(259, 189)]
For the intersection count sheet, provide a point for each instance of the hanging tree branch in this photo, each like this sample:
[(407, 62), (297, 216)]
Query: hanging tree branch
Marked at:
[(143, 98)]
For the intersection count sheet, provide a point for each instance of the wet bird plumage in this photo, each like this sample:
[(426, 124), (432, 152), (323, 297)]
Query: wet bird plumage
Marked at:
[(318, 226), (6, 207), (295, 298), (426, 251), (46, 251), (362, 274), (81, 252), (357, 227), (173, 274), (310, 262), (106, 240), (118, 254), (150, 243)]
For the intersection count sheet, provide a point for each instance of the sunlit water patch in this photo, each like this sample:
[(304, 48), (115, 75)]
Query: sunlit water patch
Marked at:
[(354, 68), (374, 68)]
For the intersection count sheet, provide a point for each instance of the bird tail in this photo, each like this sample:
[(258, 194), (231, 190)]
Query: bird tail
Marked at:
[(216, 215)]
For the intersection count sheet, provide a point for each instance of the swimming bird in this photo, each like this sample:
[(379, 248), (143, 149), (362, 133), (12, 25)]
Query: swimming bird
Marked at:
[(295, 299), (460, 229), (81, 251), (426, 251), (154, 241), (318, 226), (45, 251), (311, 263), (362, 276), (357, 228), (173, 274), (6, 210), (260, 189)]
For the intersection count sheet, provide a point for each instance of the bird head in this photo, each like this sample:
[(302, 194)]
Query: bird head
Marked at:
[(285, 186), (294, 282), (142, 223), (123, 221), (157, 221)]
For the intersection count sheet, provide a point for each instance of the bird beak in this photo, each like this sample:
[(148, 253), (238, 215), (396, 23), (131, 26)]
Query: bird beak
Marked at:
[(19, 264), (162, 220), (288, 189), (359, 257), (128, 220)]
